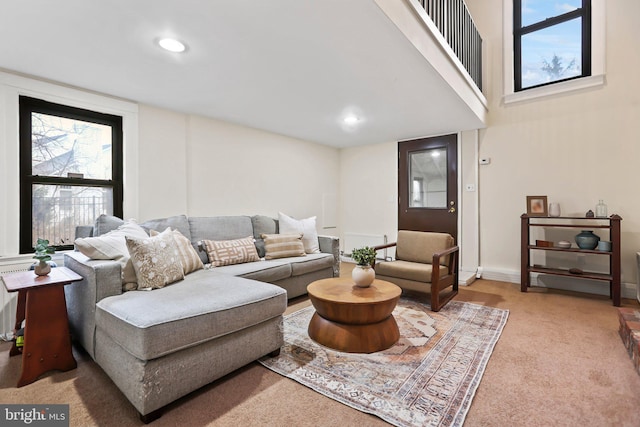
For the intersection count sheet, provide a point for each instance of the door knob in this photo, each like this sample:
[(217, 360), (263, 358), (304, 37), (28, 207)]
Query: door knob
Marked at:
[(452, 209)]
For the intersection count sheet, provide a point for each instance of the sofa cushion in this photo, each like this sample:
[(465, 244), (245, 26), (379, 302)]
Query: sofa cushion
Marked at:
[(156, 260), (263, 225), (228, 252), (178, 222), (106, 223), (419, 246), (218, 228), (283, 246), (309, 263), (265, 270), (416, 271), (306, 227), (113, 246), (204, 306)]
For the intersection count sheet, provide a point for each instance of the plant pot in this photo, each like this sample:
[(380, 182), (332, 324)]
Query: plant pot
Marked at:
[(587, 240), (363, 275), (42, 268)]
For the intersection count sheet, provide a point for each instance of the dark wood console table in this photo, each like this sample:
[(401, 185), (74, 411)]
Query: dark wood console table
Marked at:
[(42, 305), (611, 224)]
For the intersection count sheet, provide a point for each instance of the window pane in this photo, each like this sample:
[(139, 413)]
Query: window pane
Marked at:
[(538, 10), (552, 54), (428, 173), (62, 146), (57, 210)]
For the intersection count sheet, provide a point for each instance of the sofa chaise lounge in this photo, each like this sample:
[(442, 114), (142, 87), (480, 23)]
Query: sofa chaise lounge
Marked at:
[(162, 344)]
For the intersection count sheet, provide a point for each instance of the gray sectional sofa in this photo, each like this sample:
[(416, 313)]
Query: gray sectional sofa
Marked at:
[(160, 345)]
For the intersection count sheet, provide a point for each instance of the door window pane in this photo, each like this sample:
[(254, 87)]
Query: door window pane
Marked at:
[(65, 147), (552, 54), (428, 177)]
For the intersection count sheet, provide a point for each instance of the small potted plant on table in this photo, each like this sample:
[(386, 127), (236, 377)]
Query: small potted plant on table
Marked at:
[(43, 255), (363, 274)]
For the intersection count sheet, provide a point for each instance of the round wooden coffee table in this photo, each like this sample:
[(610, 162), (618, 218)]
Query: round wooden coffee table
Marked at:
[(353, 319)]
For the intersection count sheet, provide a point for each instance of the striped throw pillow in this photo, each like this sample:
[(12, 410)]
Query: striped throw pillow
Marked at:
[(188, 255), (227, 252), (283, 245)]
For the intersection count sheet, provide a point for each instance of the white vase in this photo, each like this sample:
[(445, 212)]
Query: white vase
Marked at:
[(363, 275), (554, 209), (42, 268)]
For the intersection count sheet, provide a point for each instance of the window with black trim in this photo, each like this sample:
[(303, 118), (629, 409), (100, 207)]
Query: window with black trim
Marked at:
[(70, 170), (551, 41)]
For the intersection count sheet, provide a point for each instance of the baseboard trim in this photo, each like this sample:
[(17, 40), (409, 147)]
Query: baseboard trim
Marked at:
[(627, 290), (465, 277)]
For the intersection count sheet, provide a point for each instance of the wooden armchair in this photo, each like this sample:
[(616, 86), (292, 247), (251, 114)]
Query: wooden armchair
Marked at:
[(425, 262)]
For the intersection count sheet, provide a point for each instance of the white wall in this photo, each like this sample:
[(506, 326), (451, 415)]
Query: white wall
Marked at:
[(235, 170), (369, 190), (201, 167), (575, 147)]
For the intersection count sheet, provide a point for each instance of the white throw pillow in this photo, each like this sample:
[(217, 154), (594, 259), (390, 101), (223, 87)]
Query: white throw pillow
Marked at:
[(306, 227), (113, 246)]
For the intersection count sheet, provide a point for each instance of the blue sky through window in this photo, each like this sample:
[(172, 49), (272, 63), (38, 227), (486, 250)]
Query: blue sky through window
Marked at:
[(562, 41), (538, 10)]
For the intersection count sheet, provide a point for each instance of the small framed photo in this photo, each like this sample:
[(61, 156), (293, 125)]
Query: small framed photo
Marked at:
[(537, 206)]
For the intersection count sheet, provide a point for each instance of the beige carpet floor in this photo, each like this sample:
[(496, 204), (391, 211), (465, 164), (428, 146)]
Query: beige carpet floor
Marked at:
[(559, 362)]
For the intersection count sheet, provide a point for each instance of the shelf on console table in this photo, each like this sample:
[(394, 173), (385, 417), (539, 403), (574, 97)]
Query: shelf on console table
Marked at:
[(612, 224)]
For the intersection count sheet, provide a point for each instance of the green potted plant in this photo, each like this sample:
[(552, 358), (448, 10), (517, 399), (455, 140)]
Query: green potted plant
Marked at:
[(363, 273), (43, 254)]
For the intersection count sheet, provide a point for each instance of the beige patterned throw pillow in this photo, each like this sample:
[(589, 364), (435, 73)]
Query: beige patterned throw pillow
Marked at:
[(228, 252), (156, 260), (283, 245), (188, 255)]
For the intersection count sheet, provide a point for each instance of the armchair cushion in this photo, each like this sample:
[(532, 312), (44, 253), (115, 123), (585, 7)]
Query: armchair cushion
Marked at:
[(418, 246), (415, 271)]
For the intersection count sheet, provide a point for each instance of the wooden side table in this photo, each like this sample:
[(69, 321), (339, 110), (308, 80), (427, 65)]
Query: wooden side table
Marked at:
[(42, 305), (353, 319)]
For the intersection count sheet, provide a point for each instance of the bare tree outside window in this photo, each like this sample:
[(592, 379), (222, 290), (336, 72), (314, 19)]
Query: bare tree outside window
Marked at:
[(555, 69)]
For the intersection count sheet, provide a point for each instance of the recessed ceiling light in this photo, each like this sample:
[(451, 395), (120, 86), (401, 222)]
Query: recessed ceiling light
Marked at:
[(172, 45), (351, 119)]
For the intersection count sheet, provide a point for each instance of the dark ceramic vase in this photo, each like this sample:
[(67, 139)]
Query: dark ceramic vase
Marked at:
[(587, 240)]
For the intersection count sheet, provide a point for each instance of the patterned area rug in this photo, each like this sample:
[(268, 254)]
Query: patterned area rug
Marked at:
[(428, 378)]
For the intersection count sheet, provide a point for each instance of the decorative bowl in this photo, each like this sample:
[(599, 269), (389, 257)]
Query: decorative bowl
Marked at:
[(564, 244)]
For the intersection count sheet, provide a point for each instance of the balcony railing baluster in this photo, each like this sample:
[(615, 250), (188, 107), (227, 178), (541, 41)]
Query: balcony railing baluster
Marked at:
[(453, 20)]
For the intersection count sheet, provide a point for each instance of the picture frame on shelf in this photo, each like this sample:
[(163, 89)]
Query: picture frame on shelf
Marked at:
[(537, 206)]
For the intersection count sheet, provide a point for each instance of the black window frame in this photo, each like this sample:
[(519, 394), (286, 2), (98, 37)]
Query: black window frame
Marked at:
[(29, 105), (583, 12)]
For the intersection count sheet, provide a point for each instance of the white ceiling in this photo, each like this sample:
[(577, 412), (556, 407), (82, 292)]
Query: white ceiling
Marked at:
[(293, 67)]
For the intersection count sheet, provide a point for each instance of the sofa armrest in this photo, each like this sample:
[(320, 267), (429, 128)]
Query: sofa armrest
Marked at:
[(452, 265), (100, 279), (331, 245), (84, 231)]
